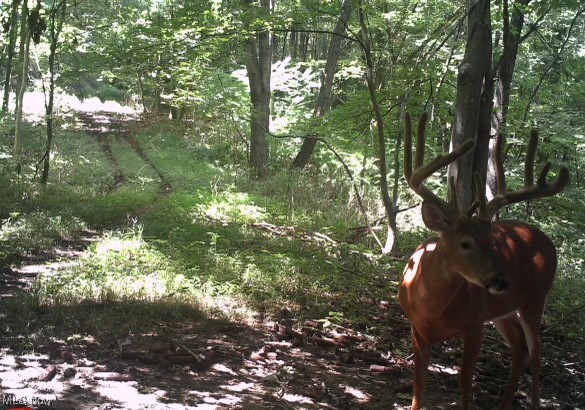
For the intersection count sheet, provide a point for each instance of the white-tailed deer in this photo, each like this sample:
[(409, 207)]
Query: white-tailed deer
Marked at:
[(477, 271)]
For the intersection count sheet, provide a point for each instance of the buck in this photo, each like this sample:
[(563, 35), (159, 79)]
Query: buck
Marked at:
[(477, 271)]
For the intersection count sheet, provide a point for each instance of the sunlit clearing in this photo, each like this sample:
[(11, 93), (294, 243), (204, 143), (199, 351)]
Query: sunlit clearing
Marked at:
[(34, 105)]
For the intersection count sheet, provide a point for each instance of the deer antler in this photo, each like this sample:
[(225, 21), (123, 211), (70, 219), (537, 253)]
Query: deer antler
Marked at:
[(422, 172), (530, 190)]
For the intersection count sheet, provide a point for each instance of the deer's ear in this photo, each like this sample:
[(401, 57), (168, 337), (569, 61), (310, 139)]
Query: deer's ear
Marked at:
[(434, 218)]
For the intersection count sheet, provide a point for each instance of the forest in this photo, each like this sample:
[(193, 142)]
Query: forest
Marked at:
[(218, 204)]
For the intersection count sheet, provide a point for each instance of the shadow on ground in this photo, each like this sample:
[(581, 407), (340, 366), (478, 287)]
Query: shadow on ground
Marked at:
[(151, 356)]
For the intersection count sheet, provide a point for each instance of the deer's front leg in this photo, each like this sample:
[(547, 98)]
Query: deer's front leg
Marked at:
[(422, 357), (471, 349)]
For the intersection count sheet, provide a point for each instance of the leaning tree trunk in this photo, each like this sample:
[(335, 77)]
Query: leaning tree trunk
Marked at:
[(470, 81), (324, 98), (259, 66), (389, 207)]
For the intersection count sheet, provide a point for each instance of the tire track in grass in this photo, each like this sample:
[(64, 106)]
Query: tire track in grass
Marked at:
[(96, 127), (102, 126), (165, 183)]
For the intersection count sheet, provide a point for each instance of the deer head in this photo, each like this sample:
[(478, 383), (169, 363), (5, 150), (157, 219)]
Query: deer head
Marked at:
[(466, 235)]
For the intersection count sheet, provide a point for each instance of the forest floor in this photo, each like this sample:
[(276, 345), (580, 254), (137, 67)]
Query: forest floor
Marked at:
[(194, 361)]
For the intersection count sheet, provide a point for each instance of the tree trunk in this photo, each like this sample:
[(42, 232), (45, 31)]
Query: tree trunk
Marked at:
[(381, 138), (470, 81), (22, 81), (259, 67), (507, 63), (324, 99), (294, 43), (512, 35), (10, 53), (54, 32)]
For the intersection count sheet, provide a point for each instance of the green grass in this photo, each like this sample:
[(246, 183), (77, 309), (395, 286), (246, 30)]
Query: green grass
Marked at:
[(134, 169), (23, 234), (216, 242)]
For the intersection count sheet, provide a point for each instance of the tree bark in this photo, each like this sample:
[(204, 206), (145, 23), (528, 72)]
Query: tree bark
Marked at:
[(58, 12), (22, 81), (512, 35), (10, 53), (470, 85), (259, 67), (324, 99)]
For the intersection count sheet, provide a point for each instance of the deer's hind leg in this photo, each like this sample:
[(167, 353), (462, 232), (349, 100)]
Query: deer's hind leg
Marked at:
[(513, 333), (530, 318)]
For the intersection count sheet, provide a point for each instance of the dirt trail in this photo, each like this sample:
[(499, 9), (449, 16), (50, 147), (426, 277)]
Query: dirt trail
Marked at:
[(269, 364)]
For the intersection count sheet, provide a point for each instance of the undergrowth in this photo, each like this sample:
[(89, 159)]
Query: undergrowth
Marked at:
[(218, 242)]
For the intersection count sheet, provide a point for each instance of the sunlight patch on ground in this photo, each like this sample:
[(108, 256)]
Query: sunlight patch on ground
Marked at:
[(17, 371), (123, 266), (239, 387), (225, 306), (361, 396), (437, 368), (296, 398), (209, 399), (117, 244), (45, 268), (21, 376), (218, 367), (130, 397), (231, 207)]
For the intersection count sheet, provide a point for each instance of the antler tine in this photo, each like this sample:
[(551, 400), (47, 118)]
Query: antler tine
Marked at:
[(541, 189), (421, 172)]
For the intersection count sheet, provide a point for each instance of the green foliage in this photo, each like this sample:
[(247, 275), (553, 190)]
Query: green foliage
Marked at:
[(119, 267), (23, 234), (211, 240)]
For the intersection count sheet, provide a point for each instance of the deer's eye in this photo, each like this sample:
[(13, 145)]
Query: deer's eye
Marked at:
[(465, 245)]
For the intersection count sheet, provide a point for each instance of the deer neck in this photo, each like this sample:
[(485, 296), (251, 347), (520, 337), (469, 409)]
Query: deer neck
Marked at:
[(430, 281), (443, 281)]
